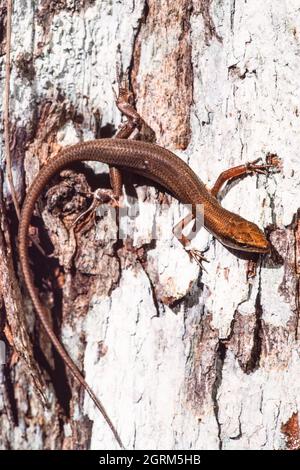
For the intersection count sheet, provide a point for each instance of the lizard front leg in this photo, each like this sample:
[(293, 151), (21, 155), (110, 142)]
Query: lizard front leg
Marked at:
[(250, 168)]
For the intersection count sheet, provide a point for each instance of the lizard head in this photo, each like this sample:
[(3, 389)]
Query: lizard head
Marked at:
[(245, 236)]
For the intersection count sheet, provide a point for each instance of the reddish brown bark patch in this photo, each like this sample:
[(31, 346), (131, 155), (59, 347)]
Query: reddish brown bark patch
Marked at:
[(85, 256), (245, 340), (291, 430), (204, 370), (51, 117), (285, 242), (165, 91)]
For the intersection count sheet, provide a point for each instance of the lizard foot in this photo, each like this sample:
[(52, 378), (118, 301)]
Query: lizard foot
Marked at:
[(264, 169), (197, 256)]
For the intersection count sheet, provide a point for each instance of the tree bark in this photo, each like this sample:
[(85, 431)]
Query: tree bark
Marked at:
[(181, 358)]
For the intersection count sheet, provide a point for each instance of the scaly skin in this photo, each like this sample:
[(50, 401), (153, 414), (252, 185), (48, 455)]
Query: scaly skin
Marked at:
[(159, 165)]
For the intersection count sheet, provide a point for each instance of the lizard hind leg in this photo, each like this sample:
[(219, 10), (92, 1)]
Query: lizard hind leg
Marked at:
[(135, 127)]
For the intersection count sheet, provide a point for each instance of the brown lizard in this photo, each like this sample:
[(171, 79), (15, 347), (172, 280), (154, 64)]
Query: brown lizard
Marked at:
[(160, 165)]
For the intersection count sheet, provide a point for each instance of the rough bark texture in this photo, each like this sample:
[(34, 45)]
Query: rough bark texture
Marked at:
[(180, 358)]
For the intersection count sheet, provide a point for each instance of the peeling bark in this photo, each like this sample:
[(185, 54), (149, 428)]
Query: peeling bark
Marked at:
[(173, 42)]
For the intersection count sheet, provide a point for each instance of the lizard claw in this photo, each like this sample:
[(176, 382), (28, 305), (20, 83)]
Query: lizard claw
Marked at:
[(197, 256), (263, 169)]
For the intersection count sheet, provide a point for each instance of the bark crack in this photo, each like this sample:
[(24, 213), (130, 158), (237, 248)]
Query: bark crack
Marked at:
[(253, 362), (136, 49), (232, 15), (219, 364)]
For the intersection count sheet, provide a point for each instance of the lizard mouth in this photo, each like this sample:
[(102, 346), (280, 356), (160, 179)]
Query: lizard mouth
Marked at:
[(260, 246)]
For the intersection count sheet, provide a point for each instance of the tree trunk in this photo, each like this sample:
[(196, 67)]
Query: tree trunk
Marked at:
[(181, 358)]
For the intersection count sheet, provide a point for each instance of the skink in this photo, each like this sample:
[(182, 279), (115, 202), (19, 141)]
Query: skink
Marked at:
[(155, 163)]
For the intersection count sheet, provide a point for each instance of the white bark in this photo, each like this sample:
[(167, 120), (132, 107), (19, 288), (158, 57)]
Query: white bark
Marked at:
[(222, 368)]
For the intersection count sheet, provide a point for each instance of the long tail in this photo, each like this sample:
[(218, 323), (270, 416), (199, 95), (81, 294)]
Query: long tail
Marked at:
[(40, 309)]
